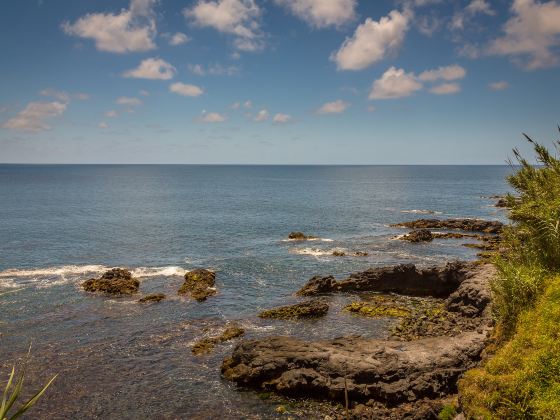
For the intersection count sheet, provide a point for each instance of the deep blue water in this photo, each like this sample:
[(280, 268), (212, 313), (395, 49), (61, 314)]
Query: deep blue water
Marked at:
[(60, 225)]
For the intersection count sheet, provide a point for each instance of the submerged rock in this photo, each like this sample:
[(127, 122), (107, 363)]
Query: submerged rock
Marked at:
[(117, 281), (199, 284), (422, 235), (404, 279), (338, 253), (156, 297), (300, 236), (206, 345), (309, 309), (471, 225), (360, 254)]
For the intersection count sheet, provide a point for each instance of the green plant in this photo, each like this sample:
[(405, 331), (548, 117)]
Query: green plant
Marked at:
[(13, 391), (448, 412)]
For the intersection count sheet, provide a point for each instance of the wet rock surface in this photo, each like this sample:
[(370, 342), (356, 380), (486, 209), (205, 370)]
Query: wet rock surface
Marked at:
[(300, 236), (117, 281), (309, 309), (422, 235), (156, 297), (416, 368), (469, 225), (403, 279), (206, 345), (199, 284)]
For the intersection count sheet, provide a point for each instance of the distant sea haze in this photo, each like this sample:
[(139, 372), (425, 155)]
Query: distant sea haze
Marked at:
[(63, 224)]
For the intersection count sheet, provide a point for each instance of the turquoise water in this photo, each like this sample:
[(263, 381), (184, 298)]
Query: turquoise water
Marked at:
[(60, 225)]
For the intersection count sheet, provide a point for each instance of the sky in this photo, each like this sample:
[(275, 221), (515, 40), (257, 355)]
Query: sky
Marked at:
[(277, 81)]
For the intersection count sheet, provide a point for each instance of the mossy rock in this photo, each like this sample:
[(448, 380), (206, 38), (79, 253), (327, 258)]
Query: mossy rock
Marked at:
[(377, 311), (199, 284), (206, 345), (422, 235), (309, 309), (156, 297), (117, 281)]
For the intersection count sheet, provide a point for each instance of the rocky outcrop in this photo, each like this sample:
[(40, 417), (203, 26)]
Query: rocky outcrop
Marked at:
[(156, 297), (422, 235), (390, 372), (404, 279), (300, 236), (199, 284), (117, 281), (206, 345), (469, 225), (309, 309)]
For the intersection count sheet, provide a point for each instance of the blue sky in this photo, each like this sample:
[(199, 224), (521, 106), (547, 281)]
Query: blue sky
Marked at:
[(276, 81)]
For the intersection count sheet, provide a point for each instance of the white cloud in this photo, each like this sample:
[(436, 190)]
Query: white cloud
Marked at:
[(335, 107), (248, 104), (447, 73), (394, 83), (185, 89), (446, 89), (111, 114), (281, 118), (322, 13), (177, 38), (532, 35), (152, 68), (103, 125), (144, 93), (125, 100), (372, 41), (261, 116), (211, 117), (213, 70), (32, 117), (240, 18), (131, 30), (460, 19), (501, 85), (63, 96)]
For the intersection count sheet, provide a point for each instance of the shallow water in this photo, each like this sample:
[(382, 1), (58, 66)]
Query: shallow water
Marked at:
[(61, 225)]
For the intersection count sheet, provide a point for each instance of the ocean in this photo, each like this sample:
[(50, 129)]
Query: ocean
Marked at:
[(116, 358)]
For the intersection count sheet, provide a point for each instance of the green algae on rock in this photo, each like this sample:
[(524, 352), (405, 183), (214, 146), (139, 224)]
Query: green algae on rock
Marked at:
[(155, 297), (376, 311), (199, 284), (117, 281), (206, 345), (309, 309)]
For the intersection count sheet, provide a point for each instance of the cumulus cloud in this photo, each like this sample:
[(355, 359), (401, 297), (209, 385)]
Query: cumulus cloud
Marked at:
[(211, 117), (178, 38), (213, 70), (446, 89), (128, 101), (131, 30), (240, 18), (261, 116), (501, 85), (152, 68), (532, 36), (447, 73), (475, 7), (33, 117), (394, 83), (281, 118), (335, 107), (185, 89), (371, 42), (322, 13)]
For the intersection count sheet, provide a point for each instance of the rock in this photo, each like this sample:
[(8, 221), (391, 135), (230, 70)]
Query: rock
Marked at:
[(199, 284), (403, 279), (300, 236), (338, 253), (502, 202), (422, 235), (206, 345), (374, 310), (115, 281), (360, 254), (471, 225), (309, 309), (318, 285), (156, 297)]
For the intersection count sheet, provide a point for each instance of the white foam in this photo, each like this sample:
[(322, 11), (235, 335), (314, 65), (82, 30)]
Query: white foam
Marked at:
[(64, 270), (316, 252), (414, 211), (171, 271), (309, 240)]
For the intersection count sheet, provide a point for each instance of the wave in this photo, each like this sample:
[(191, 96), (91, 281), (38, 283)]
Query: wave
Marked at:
[(316, 252), (53, 276), (309, 240), (414, 211)]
